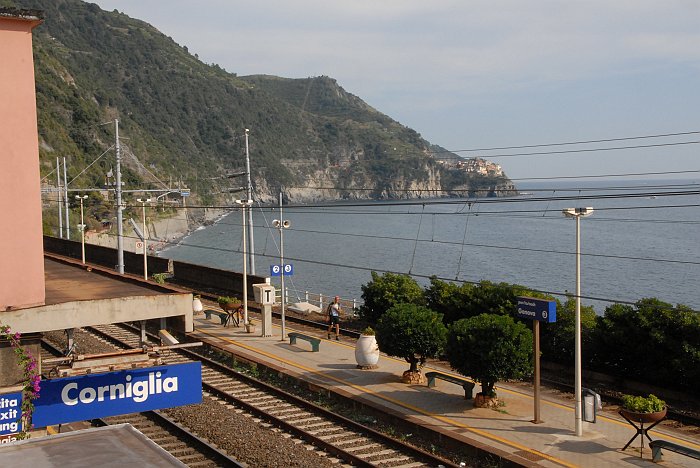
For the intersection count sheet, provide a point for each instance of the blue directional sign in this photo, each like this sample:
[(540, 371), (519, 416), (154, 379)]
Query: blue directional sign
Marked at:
[(10, 413), (276, 270), (132, 391), (537, 309)]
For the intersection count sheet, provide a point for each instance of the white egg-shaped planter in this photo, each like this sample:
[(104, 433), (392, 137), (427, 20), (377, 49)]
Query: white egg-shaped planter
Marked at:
[(367, 352)]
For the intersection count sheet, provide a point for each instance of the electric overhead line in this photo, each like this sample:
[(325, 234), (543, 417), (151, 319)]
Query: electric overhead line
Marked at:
[(576, 142), (380, 270)]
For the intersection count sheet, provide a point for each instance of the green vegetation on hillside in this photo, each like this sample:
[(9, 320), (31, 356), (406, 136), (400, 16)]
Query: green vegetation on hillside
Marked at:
[(182, 119)]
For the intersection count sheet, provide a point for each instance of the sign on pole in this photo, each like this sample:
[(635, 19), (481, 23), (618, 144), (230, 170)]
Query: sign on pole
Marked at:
[(138, 248), (537, 310), (277, 270), (92, 396)]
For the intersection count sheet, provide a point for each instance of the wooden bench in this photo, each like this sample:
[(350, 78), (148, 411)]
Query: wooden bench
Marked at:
[(294, 336), (657, 445), (224, 316), (466, 384)]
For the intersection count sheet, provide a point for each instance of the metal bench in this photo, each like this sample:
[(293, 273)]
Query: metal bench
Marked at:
[(466, 384), (315, 342), (657, 445), (224, 316)]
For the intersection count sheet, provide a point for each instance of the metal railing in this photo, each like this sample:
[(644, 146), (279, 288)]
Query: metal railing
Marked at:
[(348, 307)]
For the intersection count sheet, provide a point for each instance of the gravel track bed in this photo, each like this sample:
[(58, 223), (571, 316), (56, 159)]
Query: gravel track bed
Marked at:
[(236, 433)]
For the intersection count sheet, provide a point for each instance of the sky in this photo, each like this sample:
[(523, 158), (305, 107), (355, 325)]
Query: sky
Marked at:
[(471, 75)]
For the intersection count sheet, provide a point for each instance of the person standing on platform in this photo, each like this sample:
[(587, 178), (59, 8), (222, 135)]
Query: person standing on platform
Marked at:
[(334, 317)]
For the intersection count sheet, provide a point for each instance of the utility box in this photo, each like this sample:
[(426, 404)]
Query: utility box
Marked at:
[(264, 293), (265, 296), (590, 404)]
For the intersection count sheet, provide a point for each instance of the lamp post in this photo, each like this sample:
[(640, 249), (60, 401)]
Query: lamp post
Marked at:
[(577, 214), (282, 225), (244, 204), (145, 237), (81, 226)]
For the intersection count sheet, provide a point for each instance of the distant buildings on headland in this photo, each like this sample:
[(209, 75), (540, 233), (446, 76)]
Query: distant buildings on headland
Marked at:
[(474, 165)]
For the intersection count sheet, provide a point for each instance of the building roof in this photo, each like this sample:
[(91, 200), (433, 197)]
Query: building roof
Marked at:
[(87, 448), (22, 14)]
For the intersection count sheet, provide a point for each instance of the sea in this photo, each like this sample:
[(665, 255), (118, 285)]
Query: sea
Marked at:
[(642, 240)]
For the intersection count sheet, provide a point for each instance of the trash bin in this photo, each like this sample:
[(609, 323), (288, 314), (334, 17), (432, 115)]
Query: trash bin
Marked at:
[(590, 405)]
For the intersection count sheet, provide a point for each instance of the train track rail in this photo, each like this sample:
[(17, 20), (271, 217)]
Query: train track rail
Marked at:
[(181, 443), (340, 437)]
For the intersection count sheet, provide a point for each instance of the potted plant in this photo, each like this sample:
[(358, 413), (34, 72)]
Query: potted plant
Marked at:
[(228, 303), (643, 410), (489, 348), (250, 326), (414, 333), (366, 350)]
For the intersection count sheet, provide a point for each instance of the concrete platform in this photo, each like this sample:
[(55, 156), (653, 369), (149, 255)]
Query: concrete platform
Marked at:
[(444, 408)]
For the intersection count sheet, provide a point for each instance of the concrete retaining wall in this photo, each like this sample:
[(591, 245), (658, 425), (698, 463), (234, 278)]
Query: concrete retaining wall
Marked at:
[(105, 256), (198, 276)]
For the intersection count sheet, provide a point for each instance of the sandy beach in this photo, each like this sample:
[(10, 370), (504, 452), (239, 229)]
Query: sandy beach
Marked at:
[(162, 232)]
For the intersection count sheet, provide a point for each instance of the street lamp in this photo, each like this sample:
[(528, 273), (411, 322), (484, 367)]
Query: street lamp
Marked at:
[(81, 226), (577, 214), (282, 225), (244, 204), (145, 237)]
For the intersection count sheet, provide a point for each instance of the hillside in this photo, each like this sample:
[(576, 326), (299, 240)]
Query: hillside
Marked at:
[(184, 120)]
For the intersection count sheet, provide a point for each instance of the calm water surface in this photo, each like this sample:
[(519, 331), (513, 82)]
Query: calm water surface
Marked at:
[(631, 247)]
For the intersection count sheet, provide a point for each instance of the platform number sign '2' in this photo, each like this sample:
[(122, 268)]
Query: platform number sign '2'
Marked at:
[(277, 270)]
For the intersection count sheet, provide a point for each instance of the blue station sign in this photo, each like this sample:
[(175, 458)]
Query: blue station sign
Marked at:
[(537, 309), (277, 270), (131, 391), (10, 413)]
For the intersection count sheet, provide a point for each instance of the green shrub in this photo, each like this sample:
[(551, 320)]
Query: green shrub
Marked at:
[(639, 404), (414, 333), (369, 331), (227, 301)]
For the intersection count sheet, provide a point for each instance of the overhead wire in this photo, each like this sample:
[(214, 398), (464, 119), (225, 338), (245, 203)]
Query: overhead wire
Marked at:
[(380, 270)]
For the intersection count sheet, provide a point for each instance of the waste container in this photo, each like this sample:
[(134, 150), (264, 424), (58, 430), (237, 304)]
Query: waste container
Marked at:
[(590, 405)]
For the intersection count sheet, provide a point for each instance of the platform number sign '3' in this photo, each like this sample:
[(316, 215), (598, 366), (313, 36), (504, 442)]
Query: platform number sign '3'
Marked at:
[(278, 270)]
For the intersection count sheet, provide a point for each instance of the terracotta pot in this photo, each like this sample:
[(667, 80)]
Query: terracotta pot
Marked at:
[(414, 378), (646, 418), (483, 401), (367, 352)]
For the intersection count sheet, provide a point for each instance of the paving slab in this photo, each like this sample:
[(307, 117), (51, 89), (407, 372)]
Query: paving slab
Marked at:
[(444, 408)]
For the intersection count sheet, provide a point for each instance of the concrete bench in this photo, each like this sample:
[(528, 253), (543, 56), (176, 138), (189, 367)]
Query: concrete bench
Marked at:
[(222, 315), (315, 342), (657, 445), (466, 384)]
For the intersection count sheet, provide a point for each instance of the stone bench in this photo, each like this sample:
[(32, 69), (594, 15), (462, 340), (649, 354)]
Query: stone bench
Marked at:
[(657, 445), (224, 316), (315, 342), (466, 384)]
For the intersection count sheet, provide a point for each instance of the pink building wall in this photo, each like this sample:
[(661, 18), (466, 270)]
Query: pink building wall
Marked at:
[(21, 248)]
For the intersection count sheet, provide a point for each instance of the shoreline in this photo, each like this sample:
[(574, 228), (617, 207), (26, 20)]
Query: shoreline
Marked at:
[(163, 233)]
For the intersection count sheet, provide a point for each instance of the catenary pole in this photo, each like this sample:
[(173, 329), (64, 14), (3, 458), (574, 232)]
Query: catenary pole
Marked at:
[(65, 197), (58, 196), (118, 192), (249, 196), (283, 299)]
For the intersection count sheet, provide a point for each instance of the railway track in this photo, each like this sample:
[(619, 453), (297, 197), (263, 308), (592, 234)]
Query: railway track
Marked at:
[(169, 435), (339, 437)]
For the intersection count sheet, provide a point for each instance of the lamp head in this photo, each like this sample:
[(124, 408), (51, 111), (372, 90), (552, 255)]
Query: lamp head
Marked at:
[(576, 212), (286, 224), (276, 223)]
